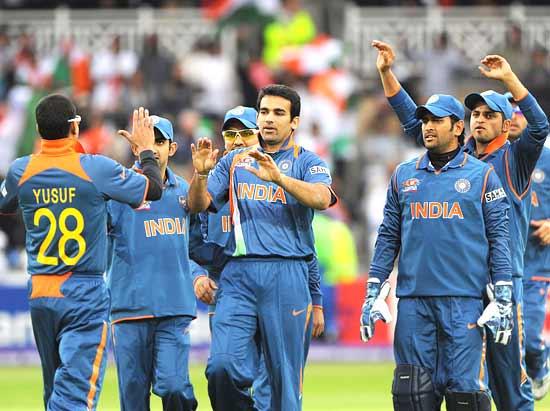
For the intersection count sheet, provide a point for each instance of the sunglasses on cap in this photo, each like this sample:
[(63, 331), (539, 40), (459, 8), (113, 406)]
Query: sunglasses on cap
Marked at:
[(517, 110), (231, 135), (75, 119)]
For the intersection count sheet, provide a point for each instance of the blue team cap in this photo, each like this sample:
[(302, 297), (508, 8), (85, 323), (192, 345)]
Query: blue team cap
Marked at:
[(496, 102), (246, 115), (164, 126), (441, 105)]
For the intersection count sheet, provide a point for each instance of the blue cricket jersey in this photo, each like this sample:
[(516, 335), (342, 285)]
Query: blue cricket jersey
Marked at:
[(537, 256), (213, 231), (513, 163), (150, 273), (267, 221), (449, 227), (63, 195)]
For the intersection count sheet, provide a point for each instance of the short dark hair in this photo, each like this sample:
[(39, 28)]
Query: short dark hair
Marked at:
[(285, 92), (462, 136), (53, 113)]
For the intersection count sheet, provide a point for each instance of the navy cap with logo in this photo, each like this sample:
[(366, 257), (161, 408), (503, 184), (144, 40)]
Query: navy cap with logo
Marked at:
[(441, 105), (164, 126), (246, 115), (496, 102)]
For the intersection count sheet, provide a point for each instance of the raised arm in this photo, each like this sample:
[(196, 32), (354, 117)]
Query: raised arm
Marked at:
[(399, 99), (204, 160), (142, 140), (527, 150)]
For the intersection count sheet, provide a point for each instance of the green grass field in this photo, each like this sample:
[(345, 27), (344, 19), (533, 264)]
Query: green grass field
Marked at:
[(335, 387)]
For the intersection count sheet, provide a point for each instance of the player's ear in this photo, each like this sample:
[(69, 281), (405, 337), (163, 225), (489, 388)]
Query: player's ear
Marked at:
[(506, 124), (294, 123), (458, 128), (73, 130), (173, 149)]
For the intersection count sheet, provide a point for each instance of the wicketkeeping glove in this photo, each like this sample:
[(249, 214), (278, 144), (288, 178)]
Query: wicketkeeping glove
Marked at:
[(375, 307), (498, 316)]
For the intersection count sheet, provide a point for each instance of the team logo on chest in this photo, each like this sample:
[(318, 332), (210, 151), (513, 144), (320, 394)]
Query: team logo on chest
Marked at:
[(462, 185), (285, 166), (538, 175), (410, 185)]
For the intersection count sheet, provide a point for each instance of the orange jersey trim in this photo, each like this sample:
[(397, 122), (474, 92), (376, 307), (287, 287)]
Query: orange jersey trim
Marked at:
[(524, 376), (141, 317), (68, 161), (96, 366), (482, 362), (541, 279), (485, 183), (509, 179), (234, 162), (494, 145), (44, 285)]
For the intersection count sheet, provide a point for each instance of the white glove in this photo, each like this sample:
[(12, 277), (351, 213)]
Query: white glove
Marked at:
[(498, 316), (375, 307)]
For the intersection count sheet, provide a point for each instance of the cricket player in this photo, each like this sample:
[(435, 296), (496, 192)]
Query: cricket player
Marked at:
[(263, 290), (536, 264), (514, 163), (240, 130), (150, 277), (63, 195), (446, 216)]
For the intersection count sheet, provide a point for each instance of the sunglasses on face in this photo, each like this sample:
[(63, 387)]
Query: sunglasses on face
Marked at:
[(517, 110), (231, 135)]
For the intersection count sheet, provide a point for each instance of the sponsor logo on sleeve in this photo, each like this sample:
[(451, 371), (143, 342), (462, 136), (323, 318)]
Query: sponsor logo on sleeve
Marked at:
[(3, 189), (495, 195), (319, 170)]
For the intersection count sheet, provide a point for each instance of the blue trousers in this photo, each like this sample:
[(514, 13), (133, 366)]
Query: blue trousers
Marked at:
[(154, 352), (440, 334), (534, 312), (508, 380), (261, 389), (269, 298), (70, 317)]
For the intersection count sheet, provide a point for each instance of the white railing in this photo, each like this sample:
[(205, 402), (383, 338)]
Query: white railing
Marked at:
[(92, 30), (475, 31)]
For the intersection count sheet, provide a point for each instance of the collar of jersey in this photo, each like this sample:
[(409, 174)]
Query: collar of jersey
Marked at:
[(287, 145), (60, 146), (170, 176), (493, 146), (458, 161)]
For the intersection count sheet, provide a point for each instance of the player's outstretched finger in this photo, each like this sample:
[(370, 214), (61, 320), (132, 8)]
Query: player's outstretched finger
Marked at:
[(255, 154), (125, 134), (214, 154)]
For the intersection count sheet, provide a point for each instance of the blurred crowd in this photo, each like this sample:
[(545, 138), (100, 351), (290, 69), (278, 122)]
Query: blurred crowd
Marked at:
[(345, 118)]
